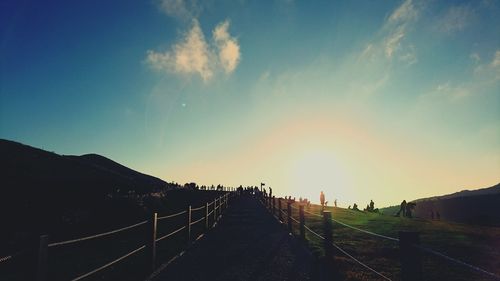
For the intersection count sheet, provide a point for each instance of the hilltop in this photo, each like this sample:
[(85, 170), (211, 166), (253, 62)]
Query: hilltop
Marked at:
[(467, 206), (44, 192)]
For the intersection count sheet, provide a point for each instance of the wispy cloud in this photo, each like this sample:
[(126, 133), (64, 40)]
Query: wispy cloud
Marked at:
[(475, 57), (404, 13), (489, 70), (486, 76), (193, 55), (181, 9), (495, 65), (390, 42), (496, 59), (410, 57), (455, 18), (396, 28)]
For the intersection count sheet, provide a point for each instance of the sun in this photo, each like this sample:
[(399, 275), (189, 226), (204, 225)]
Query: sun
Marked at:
[(315, 170)]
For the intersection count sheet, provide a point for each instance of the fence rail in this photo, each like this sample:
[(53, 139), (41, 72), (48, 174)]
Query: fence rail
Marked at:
[(217, 206), (96, 235), (411, 264)]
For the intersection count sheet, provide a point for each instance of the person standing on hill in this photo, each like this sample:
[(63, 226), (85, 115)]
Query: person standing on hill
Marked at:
[(372, 206), (402, 208), (322, 199)]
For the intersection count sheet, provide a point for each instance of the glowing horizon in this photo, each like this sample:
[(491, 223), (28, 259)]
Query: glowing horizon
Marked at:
[(384, 101)]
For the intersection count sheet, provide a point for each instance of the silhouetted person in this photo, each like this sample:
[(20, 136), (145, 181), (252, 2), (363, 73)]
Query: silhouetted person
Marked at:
[(372, 206), (355, 207), (270, 192), (402, 208), (409, 209), (322, 199), (335, 203), (349, 207)]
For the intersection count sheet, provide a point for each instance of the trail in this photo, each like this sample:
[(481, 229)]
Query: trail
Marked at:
[(248, 244)]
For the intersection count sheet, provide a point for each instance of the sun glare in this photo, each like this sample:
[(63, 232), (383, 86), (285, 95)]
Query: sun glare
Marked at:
[(319, 170)]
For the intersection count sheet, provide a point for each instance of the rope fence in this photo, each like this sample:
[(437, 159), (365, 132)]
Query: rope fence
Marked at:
[(408, 241), (6, 258), (109, 264), (197, 221), (220, 204), (96, 235), (455, 261), (198, 209), (171, 233), (172, 215)]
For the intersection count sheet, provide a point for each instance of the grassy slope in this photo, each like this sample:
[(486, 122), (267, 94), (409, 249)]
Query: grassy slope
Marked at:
[(472, 244)]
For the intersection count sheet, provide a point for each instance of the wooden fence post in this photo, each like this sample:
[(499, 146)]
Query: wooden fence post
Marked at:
[(189, 226), (411, 259), (280, 216), (302, 222), (328, 232), (274, 205), (152, 240), (206, 216), (215, 210), (42, 258), (289, 215)]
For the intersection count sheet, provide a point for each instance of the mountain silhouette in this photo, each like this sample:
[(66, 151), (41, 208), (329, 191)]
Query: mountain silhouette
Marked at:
[(45, 192), (27, 168)]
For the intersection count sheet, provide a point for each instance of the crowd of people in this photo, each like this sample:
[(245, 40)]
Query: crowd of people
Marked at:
[(405, 210)]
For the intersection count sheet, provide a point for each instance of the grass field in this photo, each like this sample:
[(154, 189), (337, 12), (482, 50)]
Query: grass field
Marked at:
[(476, 245)]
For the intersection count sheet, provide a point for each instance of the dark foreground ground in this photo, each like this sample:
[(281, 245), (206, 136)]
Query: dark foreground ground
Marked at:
[(249, 244)]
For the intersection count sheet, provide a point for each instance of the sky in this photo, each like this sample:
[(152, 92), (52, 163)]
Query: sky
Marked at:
[(382, 100)]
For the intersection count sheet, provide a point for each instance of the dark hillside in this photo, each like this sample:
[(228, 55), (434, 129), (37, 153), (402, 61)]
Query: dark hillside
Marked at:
[(467, 206), (43, 192), (110, 166)]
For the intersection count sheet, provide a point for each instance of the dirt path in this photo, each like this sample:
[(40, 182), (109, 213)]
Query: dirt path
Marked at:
[(248, 244)]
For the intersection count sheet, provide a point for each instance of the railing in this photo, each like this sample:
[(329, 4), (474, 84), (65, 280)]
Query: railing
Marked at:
[(216, 208), (409, 242)]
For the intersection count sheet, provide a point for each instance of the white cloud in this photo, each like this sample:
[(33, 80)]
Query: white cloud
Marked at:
[(193, 55), (456, 18), (189, 56), (229, 50), (180, 9)]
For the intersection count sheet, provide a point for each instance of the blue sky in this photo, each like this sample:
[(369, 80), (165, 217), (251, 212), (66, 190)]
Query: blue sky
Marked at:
[(343, 96)]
